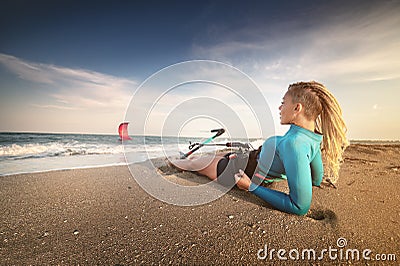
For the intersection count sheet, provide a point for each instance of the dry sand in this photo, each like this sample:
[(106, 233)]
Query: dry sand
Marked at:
[(101, 216)]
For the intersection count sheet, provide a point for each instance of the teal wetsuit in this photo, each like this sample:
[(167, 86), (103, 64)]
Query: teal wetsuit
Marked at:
[(298, 156)]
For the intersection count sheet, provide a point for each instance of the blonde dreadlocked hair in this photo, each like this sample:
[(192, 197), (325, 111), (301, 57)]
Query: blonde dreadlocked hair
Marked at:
[(320, 105)]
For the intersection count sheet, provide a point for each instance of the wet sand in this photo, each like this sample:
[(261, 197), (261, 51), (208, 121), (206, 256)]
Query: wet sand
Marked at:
[(101, 216)]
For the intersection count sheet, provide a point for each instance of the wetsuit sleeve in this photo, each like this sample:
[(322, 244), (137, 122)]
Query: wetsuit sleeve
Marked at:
[(298, 171), (317, 169)]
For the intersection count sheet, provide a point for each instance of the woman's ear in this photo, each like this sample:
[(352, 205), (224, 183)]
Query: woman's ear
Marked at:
[(298, 107)]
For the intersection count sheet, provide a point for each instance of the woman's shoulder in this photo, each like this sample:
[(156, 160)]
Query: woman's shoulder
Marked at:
[(294, 142), (272, 141)]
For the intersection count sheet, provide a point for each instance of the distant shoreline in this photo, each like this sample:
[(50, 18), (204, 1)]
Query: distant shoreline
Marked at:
[(352, 141), (375, 142)]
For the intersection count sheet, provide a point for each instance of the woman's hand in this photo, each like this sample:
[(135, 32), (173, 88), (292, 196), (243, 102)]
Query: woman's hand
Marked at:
[(242, 180)]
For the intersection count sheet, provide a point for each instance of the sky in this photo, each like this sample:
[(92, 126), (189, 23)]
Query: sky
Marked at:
[(78, 66)]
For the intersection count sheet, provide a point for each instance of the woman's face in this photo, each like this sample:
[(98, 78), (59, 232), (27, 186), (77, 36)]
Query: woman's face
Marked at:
[(287, 110)]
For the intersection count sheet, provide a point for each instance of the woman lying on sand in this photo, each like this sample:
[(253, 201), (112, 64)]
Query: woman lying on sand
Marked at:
[(310, 109)]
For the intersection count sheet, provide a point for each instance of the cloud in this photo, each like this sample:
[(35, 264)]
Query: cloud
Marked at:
[(49, 106), (26, 70), (359, 45), (364, 48), (73, 89)]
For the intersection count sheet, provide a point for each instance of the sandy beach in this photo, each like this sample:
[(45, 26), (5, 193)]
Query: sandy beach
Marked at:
[(101, 216)]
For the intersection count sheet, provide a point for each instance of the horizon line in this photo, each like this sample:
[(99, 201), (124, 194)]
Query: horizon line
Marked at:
[(152, 135)]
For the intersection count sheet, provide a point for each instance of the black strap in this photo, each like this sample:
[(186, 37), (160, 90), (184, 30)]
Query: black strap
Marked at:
[(252, 163)]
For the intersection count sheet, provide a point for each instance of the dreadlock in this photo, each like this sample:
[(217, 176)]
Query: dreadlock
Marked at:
[(322, 107)]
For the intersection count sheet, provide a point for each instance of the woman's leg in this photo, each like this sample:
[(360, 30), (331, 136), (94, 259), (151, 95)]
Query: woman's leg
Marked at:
[(204, 165)]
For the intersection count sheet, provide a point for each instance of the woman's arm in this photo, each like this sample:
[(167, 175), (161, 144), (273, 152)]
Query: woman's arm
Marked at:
[(317, 169), (298, 172)]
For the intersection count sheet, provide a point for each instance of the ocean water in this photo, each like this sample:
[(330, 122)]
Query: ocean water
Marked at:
[(39, 152)]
